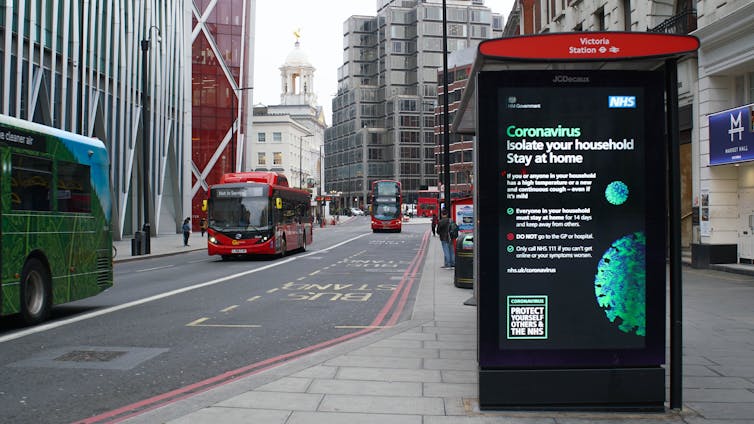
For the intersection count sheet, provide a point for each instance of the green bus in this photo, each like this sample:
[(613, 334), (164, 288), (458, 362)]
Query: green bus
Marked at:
[(55, 234)]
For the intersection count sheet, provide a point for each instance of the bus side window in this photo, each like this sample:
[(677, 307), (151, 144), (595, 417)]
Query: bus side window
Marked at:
[(74, 191), (34, 178)]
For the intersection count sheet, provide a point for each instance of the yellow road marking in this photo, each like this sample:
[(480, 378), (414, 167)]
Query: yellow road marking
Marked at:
[(363, 326), (253, 298), (229, 308), (197, 322), (227, 325)]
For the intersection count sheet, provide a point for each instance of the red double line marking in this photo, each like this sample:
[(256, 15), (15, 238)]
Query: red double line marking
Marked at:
[(146, 405)]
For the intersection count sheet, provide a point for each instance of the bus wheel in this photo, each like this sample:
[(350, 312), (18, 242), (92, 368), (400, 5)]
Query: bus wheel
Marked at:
[(36, 292)]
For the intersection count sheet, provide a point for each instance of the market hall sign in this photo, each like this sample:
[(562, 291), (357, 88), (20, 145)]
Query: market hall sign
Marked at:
[(731, 136)]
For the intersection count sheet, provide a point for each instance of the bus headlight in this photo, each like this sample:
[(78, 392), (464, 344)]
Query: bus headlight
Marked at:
[(213, 240)]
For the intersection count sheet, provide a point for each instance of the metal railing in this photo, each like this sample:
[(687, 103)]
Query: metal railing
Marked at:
[(682, 23)]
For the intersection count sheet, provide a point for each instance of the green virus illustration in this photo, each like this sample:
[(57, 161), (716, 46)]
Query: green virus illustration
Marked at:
[(620, 283), (616, 192)]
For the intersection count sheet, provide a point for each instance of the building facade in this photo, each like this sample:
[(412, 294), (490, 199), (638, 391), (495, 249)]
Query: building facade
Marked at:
[(288, 137), (676, 17), (723, 179), (222, 67), (716, 98), (77, 66), (383, 124), (461, 146)]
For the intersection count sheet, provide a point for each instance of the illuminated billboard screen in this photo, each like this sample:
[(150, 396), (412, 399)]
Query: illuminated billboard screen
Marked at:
[(571, 201)]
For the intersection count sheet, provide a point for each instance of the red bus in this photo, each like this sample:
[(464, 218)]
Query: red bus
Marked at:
[(386, 206), (253, 213), (428, 203)]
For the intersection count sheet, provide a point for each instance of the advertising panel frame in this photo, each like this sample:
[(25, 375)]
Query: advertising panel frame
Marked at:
[(589, 384)]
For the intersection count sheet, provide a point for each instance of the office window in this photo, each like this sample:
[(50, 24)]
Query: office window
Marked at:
[(277, 137), (261, 137), (739, 92), (277, 158), (262, 158), (599, 19)]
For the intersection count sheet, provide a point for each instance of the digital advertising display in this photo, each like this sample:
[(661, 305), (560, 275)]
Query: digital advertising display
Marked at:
[(571, 181)]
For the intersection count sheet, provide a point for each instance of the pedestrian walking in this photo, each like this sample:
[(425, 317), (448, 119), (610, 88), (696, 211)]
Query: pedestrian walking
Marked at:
[(186, 230), (434, 224), (203, 226), (443, 230)]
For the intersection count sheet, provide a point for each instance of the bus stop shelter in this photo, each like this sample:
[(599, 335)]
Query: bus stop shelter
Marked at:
[(576, 173)]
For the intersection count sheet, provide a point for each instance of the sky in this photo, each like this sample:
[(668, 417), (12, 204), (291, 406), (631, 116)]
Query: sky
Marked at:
[(321, 38)]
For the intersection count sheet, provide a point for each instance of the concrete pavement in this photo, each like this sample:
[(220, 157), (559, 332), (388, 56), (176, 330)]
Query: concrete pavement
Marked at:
[(424, 370)]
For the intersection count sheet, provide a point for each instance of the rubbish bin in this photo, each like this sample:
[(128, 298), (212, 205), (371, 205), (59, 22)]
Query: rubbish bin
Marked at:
[(136, 245), (464, 272)]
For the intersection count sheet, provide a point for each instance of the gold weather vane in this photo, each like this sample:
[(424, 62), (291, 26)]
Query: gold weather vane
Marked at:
[(297, 33)]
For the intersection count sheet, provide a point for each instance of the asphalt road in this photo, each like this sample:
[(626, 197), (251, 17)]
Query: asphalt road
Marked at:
[(176, 325)]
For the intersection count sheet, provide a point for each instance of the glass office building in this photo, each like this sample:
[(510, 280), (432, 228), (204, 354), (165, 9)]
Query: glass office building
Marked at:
[(383, 123), (221, 93), (77, 66)]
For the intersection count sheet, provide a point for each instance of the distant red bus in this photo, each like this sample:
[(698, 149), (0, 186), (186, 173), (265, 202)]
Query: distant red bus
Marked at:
[(428, 203), (252, 213), (386, 206)]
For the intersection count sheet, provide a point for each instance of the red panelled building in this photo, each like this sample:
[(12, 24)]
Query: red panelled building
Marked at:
[(221, 88)]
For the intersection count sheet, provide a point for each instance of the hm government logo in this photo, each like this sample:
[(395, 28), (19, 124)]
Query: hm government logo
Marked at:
[(621, 102), (513, 104), (736, 126)]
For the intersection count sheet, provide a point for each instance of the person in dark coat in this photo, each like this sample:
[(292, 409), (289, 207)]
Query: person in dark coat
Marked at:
[(186, 230), (443, 230), (203, 226), (434, 224)]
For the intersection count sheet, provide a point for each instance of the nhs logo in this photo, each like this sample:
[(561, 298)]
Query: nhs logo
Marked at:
[(614, 102)]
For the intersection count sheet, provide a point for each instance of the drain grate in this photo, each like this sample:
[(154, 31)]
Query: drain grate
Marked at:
[(90, 356)]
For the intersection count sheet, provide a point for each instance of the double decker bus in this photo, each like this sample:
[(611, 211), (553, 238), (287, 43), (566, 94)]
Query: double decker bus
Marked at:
[(427, 203), (257, 213), (56, 240), (386, 206)]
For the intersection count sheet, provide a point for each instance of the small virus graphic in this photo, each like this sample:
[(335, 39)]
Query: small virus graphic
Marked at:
[(616, 192), (620, 283)]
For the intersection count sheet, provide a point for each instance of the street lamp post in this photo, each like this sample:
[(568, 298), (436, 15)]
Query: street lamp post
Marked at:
[(319, 191), (234, 131), (300, 162), (446, 129), (145, 247)]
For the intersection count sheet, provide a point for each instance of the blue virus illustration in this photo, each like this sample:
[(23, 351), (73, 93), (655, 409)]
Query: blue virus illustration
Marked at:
[(620, 283), (616, 192)]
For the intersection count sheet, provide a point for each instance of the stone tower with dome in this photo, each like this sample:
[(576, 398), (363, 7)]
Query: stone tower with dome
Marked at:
[(288, 137), (297, 78)]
